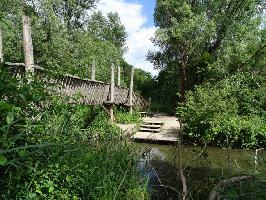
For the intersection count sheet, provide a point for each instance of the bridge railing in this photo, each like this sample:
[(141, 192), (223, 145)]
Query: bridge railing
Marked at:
[(92, 92)]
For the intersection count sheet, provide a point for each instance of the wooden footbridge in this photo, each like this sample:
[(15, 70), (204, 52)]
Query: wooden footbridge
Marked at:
[(91, 92)]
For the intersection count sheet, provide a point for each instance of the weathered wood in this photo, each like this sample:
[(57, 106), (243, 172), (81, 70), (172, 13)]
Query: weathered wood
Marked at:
[(93, 71), (1, 47), (131, 90), (149, 109), (112, 87), (27, 45), (112, 90), (118, 75), (92, 92)]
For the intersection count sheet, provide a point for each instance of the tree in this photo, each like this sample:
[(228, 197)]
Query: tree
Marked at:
[(199, 36), (65, 37)]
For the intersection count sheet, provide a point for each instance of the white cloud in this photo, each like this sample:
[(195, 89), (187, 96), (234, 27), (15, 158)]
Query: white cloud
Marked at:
[(138, 42)]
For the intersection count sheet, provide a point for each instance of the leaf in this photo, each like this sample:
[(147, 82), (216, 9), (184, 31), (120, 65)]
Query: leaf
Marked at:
[(68, 179), (51, 189), (3, 160), (22, 153), (9, 118)]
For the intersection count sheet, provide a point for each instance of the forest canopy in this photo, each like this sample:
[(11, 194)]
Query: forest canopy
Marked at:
[(216, 52), (68, 36)]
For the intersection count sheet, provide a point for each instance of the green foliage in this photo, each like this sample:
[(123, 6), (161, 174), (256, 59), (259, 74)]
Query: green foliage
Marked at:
[(52, 150), (102, 128), (65, 38), (105, 171), (124, 117), (208, 40), (233, 109)]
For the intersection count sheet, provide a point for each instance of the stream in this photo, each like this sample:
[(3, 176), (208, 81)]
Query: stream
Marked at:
[(158, 163)]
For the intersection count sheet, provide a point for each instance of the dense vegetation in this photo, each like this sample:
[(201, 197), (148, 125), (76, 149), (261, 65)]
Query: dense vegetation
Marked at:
[(216, 52), (50, 149), (212, 69)]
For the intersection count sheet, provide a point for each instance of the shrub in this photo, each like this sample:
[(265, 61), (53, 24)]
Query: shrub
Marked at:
[(47, 151), (232, 109), (124, 117)]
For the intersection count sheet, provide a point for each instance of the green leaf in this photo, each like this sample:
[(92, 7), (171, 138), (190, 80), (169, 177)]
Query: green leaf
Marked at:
[(51, 189), (22, 153), (3, 160), (9, 118), (68, 179)]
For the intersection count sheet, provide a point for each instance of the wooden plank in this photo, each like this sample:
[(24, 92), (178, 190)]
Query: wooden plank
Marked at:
[(153, 130), (155, 137), (27, 45), (152, 122), (150, 126)]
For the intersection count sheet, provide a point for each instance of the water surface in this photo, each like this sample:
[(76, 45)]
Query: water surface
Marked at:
[(159, 163)]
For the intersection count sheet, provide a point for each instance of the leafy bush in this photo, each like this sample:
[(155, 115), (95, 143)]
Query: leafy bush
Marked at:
[(232, 109), (48, 148), (102, 128), (124, 117)]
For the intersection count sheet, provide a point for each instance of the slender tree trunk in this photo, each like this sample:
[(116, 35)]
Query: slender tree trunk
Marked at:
[(182, 82), (180, 163)]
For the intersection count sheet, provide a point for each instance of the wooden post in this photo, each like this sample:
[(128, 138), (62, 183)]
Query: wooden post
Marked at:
[(1, 47), (112, 90), (27, 45), (118, 75), (131, 91), (93, 71), (149, 105)]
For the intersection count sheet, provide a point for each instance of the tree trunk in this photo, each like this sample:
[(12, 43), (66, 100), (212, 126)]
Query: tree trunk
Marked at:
[(182, 82)]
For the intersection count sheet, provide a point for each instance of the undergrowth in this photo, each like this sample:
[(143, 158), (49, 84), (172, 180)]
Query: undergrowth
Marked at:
[(125, 117), (50, 149)]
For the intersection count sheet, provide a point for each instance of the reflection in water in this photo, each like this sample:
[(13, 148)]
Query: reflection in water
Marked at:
[(163, 180), (159, 163)]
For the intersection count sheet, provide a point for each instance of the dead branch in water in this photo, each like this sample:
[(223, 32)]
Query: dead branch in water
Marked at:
[(226, 183)]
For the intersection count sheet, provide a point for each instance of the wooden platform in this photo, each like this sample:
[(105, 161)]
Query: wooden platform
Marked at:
[(158, 129)]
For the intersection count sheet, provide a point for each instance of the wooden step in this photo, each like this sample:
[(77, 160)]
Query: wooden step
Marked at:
[(150, 130), (150, 126), (153, 122), (154, 137)]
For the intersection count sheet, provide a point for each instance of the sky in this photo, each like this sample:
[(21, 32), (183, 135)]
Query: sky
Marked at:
[(137, 17)]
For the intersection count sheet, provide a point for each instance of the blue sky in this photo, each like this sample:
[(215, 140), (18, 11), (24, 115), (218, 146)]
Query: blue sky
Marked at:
[(148, 9), (137, 17)]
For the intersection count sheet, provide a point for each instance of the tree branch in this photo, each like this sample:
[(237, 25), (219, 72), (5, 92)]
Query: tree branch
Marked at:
[(226, 183)]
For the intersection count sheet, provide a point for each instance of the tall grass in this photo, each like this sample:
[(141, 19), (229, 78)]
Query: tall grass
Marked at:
[(53, 150)]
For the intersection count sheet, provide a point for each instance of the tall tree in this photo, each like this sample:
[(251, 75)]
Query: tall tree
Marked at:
[(65, 37), (199, 36)]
